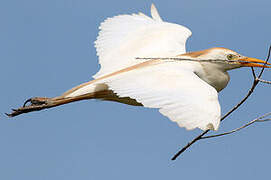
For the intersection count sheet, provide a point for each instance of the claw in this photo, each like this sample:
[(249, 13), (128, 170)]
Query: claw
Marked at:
[(27, 101), (14, 113), (9, 115)]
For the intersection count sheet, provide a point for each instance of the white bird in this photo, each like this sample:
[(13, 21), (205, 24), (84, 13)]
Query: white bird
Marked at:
[(183, 89)]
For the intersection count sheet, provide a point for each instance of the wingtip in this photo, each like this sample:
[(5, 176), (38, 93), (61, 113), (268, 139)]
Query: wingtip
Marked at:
[(154, 13)]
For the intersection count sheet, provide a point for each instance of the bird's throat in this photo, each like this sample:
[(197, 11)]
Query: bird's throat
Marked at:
[(214, 76)]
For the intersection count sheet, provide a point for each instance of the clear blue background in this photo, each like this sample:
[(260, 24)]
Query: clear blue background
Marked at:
[(46, 47)]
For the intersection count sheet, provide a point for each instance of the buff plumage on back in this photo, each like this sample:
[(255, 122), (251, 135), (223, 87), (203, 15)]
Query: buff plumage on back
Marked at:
[(123, 38)]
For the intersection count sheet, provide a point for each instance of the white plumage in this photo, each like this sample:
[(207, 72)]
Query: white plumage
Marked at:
[(174, 89), (123, 38), (184, 91)]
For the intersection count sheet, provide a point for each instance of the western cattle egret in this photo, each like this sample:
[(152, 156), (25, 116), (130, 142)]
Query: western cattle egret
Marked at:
[(184, 89)]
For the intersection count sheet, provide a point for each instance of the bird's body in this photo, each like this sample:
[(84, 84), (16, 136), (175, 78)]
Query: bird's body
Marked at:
[(166, 75), (183, 86)]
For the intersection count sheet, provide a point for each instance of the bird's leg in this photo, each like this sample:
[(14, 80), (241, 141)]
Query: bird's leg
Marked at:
[(40, 103)]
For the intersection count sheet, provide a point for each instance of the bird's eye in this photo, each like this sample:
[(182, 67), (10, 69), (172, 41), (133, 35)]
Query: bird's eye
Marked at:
[(230, 57)]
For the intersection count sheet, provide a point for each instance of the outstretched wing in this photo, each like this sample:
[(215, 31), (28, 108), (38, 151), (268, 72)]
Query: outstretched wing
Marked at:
[(173, 88), (123, 38)]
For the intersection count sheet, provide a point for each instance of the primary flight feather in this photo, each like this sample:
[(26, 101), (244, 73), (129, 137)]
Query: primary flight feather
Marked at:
[(144, 63)]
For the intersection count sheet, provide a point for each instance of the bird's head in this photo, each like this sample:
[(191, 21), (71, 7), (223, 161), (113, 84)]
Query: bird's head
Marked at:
[(226, 59)]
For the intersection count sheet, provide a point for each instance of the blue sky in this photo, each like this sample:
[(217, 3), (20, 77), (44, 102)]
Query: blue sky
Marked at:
[(47, 48)]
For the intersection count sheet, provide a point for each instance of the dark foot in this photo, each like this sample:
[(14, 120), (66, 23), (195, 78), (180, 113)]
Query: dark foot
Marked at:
[(35, 104)]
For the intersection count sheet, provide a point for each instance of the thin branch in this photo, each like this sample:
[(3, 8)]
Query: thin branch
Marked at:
[(259, 119), (264, 81), (254, 84), (188, 145), (174, 59), (268, 55), (226, 115), (253, 73)]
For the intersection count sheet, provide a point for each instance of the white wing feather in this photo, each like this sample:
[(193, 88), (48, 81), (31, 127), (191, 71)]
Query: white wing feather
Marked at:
[(123, 38), (155, 14), (170, 86), (173, 88)]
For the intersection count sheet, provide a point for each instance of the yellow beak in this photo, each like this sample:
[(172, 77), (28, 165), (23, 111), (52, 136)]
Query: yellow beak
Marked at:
[(253, 62)]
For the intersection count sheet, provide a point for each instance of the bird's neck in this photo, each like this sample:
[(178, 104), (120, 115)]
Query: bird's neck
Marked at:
[(214, 75)]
